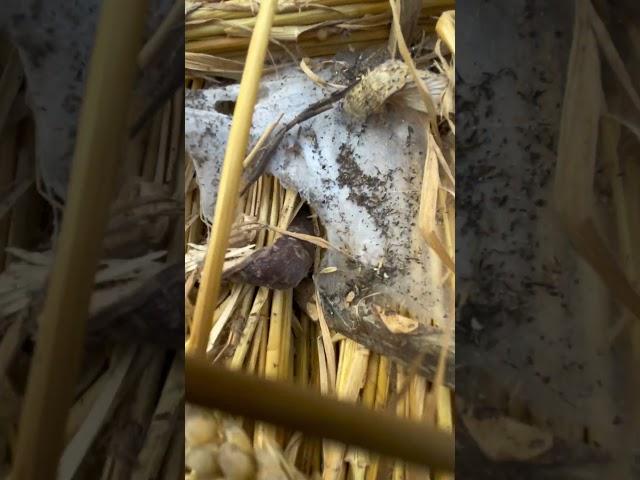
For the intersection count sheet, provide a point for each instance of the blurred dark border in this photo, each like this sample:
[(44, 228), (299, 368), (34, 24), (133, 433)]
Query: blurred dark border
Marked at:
[(136, 325), (540, 392)]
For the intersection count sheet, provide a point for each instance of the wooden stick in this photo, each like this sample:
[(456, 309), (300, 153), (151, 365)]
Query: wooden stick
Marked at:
[(230, 180), (101, 133), (306, 411)]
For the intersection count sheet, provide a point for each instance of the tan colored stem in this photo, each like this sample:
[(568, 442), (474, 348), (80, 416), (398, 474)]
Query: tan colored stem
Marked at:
[(230, 180), (222, 45), (304, 410), (307, 17)]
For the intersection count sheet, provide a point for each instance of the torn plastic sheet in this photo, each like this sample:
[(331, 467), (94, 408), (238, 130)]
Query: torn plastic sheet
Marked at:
[(363, 179)]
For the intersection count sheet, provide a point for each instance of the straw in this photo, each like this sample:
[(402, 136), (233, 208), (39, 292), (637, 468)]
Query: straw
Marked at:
[(230, 180), (301, 409)]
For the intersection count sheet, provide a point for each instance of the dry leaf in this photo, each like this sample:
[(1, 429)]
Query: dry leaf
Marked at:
[(429, 201), (371, 93), (577, 147), (505, 439), (329, 270), (395, 322)]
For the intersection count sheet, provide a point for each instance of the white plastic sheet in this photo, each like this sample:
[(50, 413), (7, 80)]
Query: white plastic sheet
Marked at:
[(362, 178)]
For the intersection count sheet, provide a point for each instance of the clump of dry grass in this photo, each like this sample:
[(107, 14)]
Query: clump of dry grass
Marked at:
[(217, 34)]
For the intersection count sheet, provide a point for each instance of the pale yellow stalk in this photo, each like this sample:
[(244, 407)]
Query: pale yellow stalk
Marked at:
[(230, 180), (350, 380), (248, 332), (382, 392)]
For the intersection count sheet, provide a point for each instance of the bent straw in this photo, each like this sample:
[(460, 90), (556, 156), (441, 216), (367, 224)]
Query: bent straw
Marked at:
[(101, 133), (304, 410), (230, 180), (446, 29)]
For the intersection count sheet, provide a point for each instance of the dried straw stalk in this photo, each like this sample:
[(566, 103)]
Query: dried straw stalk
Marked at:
[(230, 181), (314, 29), (233, 9), (101, 135), (306, 411)]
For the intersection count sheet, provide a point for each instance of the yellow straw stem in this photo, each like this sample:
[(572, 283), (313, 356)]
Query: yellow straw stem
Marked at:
[(307, 17), (230, 180), (304, 410)]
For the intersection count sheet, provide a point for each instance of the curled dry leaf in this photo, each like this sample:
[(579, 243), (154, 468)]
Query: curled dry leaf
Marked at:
[(314, 77), (370, 94), (387, 79), (446, 29), (395, 322)]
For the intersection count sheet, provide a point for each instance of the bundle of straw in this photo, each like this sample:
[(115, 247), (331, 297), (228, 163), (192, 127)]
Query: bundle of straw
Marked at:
[(218, 34)]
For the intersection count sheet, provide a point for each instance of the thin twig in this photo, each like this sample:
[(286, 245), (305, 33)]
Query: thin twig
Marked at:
[(311, 111), (230, 180)]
